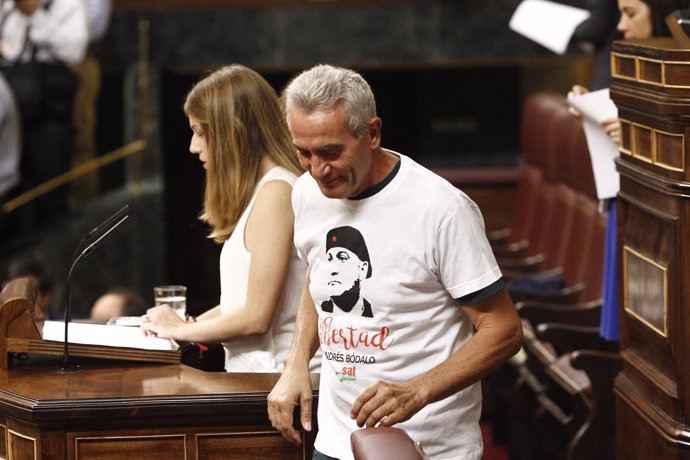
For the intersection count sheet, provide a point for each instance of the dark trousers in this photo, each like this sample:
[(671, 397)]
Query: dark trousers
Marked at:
[(319, 456)]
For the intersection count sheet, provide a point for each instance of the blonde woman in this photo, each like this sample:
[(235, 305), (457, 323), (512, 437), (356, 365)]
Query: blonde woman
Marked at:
[(240, 136)]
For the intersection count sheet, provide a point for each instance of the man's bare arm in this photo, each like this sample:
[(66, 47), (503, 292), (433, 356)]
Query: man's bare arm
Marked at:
[(498, 337), (294, 386)]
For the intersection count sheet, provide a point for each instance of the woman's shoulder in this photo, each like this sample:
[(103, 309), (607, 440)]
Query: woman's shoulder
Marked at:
[(278, 173)]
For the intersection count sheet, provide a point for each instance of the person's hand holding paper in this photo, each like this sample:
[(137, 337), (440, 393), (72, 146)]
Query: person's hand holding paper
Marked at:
[(602, 130)]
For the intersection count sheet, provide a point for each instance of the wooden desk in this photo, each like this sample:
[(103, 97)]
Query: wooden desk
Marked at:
[(651, 88), (140, 411)]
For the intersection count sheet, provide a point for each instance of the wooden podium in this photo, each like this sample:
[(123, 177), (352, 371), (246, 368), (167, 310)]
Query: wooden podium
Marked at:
[(19, 333), (118, 409), (651, 88)]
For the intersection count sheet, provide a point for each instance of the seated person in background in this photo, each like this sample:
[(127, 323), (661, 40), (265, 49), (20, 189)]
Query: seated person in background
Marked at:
[(595, 35), (117, 302), (241, 138), (639, 19), (32, 266)]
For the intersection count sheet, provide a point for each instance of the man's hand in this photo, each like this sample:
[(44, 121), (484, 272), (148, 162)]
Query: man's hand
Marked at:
[(293, 389), (28, 7), (387, 403)]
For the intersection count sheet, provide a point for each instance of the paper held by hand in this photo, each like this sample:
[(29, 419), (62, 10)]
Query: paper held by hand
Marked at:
[(596, 107), (548, 23), (105, 335)]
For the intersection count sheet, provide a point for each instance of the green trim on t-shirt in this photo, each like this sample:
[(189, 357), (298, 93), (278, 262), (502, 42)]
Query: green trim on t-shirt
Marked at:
[(371, 191), (483, 293)]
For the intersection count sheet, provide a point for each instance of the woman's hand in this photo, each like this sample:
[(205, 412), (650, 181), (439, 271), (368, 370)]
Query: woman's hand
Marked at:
[(612, 126), (576, 90), (161, 321)]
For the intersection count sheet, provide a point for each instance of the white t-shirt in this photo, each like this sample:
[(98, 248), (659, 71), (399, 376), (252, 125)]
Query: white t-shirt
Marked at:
[(267, 352), (412, 247)]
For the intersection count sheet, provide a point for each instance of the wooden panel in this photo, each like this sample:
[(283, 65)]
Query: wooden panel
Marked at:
[(654, 146), (649, 444), (645, 290), (642, 143), (21, 447), (3, 439), (678, 74), (623, 66), (662, 67), (246, 446), (650, 71), (162, 447), (670, 150), (648, 251)]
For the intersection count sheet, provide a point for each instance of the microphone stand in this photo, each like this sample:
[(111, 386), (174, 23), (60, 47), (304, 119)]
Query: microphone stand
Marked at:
[(66, 365), (105, 224)]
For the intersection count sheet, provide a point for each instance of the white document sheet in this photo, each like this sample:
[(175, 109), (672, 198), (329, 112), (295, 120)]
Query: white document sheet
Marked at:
[(596, 107), (105, 335), (133, 321), (548, 23)]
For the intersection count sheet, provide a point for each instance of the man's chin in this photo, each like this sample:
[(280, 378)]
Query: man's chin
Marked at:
[(331, 192)]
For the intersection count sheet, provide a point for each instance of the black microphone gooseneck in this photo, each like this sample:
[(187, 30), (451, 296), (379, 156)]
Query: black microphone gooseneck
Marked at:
[(105, 229), (99, 228)]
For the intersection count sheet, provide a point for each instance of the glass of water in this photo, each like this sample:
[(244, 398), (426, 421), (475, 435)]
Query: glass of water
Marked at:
[(174, 295)]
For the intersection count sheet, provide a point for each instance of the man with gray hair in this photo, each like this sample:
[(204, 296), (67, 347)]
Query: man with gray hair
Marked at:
[(443, 317)]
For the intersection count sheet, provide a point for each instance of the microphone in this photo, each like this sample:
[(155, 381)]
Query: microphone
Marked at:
[(98, 228), (105, 229)]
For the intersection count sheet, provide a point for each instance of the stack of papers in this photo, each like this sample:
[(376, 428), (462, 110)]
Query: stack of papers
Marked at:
[(126, 321), (105, 335)]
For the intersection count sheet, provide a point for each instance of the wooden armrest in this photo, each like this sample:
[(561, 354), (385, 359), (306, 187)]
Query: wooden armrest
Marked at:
[(601, 367), (512, 274), (498, 236), (583, 314), (515, 250), (513, 267), (567, 338), (569, 295)]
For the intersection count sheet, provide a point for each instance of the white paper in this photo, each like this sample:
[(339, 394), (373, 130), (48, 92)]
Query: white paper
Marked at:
[(596, 107), (105, 335), (126, 321), (548, 23)]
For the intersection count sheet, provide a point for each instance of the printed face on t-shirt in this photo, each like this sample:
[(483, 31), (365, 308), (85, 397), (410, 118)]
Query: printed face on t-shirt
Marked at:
[(345, 270)]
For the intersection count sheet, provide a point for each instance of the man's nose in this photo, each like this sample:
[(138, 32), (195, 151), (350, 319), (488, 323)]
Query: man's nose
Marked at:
[(319, 168)]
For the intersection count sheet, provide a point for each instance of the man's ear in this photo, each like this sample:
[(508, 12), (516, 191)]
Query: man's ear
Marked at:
[(374, 131)]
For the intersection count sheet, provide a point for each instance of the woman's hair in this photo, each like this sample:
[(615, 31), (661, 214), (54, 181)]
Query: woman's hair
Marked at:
[(324, 86), (242, 122), (659, 10)]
